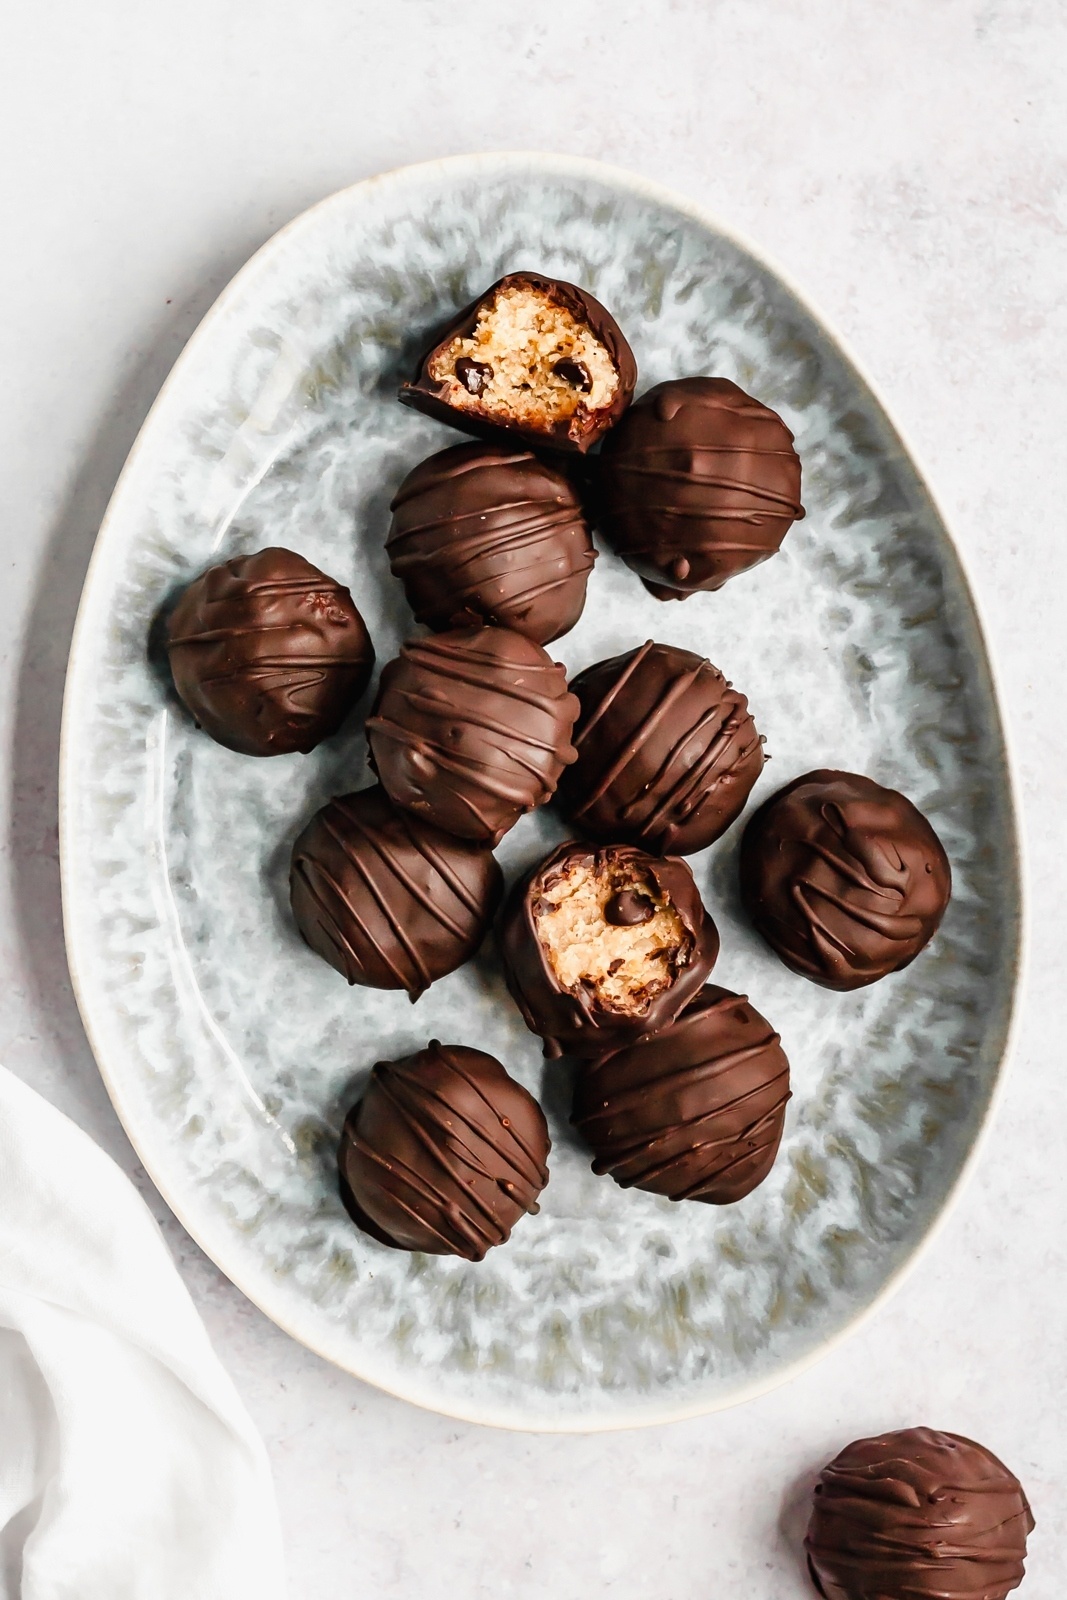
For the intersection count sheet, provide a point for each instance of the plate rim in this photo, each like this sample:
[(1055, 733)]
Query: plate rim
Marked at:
[(508, 1416)]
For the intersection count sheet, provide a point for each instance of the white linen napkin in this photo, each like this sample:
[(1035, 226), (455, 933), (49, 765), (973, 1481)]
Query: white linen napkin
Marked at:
[(129, 1469)]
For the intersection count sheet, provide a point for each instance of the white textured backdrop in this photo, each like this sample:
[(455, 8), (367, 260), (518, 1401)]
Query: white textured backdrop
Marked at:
[(907, 164)]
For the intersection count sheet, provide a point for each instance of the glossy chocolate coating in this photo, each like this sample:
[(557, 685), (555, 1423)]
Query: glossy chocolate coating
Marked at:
[(578, 433), (667, 751), (694, 1112), (471, 729), (698, 483), (268, 653), (444, 1153), (575, 1023), (486, 534), (917, 1515), (845, 880), (389, 900)]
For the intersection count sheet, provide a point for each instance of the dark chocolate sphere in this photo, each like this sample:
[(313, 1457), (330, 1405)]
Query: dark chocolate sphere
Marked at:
[(485, 534), (698, 482), (444, 1153), (602, 945), (917, 1515), (694, 1112), (471, 729), (387, 899), (667, 751), (268, 653), (846, 880)]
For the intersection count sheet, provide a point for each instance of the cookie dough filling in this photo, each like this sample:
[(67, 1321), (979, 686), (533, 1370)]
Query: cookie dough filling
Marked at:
[(527, 360), (613, 932)]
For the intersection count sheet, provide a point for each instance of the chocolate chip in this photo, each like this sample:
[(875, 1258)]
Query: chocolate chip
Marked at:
[(574, 373), (475, 376), (628, 908)]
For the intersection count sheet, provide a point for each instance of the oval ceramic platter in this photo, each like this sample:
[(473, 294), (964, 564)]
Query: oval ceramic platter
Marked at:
[(231, 1051)]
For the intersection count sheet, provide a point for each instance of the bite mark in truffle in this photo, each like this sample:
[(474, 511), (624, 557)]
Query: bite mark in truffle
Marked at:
[(532, 356), (667, 751), (389, 901), (268, 653), (588, 968), (917, 1515), (699, 482), (846, 880), (482, 533), (694, 1112), (471, 729), (444, 1153)]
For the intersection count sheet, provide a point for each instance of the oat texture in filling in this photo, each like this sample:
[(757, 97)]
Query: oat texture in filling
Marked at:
[(611, 931), (527, 360)]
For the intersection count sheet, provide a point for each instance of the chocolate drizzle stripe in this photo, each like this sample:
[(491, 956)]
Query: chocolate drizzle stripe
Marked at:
[(460, 469), (514, 532), (396, 869), (616, 689), (382, 902), (675, 691), (308, 872), (441, 661), (490, 777)]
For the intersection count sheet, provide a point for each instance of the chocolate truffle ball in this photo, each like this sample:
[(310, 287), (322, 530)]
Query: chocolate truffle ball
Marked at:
[(387, 899), (698, 483), (602, 945), (444, 1153), (471, 729), (268, 653), (667, 751), (694, 1112), (845, 880), (917, 1515), (533, 358), (485, 534)]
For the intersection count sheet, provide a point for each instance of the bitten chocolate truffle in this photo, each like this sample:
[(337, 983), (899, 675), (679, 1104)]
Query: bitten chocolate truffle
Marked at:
[(532, 357), (444, 1153), (694, 1112), (389, 900), (486, 534), (471, 729), (667, 751), (697, 483), (845, 880), (917, 1515), (268, 653), (602, 945)]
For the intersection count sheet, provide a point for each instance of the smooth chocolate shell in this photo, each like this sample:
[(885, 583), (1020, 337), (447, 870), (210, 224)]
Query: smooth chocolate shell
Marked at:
[(917, 1515), (444, 1153), (846, 880), (694, 1112), (577, 434), (471, 729), (268, 653), (667, 751), (698, 483), (574, 1023), (482, 533), (389, 900)]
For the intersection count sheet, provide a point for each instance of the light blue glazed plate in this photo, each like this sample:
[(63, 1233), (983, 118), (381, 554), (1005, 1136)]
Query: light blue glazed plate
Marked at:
[(231, 1051)]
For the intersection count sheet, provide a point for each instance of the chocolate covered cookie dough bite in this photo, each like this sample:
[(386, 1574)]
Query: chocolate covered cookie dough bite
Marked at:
[(693, 1112), (486, 533), (444, 1153), (603, 945), (532, 357), (698, 483), (846, 880), (268, 654)]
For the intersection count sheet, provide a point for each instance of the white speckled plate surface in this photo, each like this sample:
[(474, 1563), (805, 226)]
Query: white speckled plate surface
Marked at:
[(231, 1051)]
